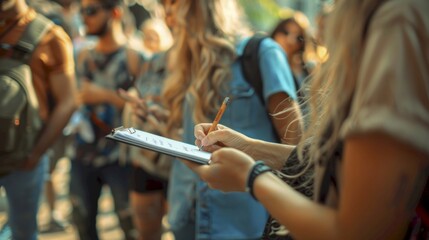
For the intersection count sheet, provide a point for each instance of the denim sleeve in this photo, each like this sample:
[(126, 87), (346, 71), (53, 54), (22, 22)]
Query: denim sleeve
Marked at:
[(275, 70)]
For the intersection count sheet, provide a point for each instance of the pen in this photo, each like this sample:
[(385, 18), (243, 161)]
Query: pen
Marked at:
[(218, 116)]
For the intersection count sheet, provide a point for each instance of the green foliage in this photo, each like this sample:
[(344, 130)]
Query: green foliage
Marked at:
[(262, 14)]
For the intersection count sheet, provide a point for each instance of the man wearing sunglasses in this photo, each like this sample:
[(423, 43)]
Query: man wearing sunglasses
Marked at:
[(52, 73), (102, 69)]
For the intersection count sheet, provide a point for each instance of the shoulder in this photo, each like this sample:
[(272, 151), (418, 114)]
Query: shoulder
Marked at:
[(265, 43), (268, 43), (57, 37), (392, 79), (399, 28), (55, 51), (399, 12), (271, 50), (272, 54), (57, 45)]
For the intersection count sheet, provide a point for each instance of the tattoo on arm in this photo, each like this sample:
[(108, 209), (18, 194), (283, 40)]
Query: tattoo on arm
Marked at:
[(405, 200)]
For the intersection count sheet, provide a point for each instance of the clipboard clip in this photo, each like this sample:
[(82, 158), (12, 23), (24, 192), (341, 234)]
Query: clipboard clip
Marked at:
[(122, 128)]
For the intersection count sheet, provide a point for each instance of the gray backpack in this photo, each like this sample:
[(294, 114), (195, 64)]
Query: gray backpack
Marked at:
[(20, 122)]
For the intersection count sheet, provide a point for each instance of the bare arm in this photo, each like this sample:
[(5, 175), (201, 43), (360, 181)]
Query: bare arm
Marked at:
[(382, 181), (93, 94), (64, 91), (273, 154), (59, 72), (286, 118)]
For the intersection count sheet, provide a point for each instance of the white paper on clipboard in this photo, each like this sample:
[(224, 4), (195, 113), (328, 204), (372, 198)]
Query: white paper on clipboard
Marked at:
[(159, 144)]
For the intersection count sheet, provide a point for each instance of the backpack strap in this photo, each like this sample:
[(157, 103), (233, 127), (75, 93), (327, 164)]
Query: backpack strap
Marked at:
[(31, 37), (250, 65), (251, 69)]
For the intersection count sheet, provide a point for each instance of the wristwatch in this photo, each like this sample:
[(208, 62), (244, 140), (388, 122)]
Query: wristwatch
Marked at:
[(258, 168)]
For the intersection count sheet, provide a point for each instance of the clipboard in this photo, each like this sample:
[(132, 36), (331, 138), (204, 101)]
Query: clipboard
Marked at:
[(153, 142)]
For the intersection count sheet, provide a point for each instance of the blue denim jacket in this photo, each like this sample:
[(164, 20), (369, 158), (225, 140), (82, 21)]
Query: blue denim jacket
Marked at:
[(219, 215)]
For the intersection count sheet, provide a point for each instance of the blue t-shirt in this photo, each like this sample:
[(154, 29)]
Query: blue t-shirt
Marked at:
[(220, 215)]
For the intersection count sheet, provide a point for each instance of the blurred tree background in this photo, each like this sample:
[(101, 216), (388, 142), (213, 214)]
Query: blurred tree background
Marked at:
[(264, 14)]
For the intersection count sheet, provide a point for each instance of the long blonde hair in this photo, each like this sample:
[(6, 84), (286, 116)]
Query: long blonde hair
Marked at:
[(334, 84), (200, 60)]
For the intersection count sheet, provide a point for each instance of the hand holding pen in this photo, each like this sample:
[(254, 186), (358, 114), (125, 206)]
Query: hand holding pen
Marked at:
[(218, 117), (222, 137)]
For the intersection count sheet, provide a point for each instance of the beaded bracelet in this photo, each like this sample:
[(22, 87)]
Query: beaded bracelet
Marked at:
[(258, 168)]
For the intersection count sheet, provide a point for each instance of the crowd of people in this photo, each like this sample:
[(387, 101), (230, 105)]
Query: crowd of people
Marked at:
[(331, 146)]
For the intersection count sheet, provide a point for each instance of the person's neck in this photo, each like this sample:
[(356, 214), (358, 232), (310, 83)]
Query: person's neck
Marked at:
[(19, 8), (112, 40)]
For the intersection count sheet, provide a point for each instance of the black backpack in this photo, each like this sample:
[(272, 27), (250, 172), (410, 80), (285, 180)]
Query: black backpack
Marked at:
[(250, 66), (20, 122)]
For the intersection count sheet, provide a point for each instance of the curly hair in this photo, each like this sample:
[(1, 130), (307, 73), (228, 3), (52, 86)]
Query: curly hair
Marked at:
[(200, 60)]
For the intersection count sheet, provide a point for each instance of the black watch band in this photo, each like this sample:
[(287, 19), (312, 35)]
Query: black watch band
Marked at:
[(258, 168)]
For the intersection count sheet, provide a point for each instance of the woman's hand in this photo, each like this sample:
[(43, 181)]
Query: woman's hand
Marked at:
[(228, 170), (273, 154), (138, 105), (157, 117), (157, 111), (147, 110), (221, 137)]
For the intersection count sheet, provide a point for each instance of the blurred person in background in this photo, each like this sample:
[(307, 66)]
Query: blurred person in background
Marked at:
[(102, 69), (294, 36), (151, 170), (54, 82), (156, 36), (62, 146)]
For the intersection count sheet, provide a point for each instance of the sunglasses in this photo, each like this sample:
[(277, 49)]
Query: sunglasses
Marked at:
[(91, 10), (299, 38)]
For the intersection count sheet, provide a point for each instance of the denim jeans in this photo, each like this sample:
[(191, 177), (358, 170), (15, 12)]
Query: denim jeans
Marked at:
[(86, 182), (23, 191)]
